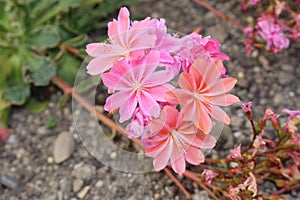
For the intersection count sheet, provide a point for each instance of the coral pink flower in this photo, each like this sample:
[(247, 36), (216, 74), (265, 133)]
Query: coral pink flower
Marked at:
[(175, 140), (209, 175), (202, 92), (236, 153), (124, 41), (136, 83)]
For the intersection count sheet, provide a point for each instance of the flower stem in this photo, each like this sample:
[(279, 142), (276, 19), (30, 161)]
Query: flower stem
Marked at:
[(181, 187), (67, 89), (220, 14), (191, 176)]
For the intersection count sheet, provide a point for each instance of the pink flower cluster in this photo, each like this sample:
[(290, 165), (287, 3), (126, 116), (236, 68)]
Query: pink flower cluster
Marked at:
[(140, 65), (272, 26)]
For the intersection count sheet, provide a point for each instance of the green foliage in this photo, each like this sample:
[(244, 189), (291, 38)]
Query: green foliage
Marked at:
[(35, 41), (52, 122)]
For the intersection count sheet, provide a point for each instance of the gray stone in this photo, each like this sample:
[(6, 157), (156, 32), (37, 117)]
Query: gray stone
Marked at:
[(84, 171), (77, 185), (63, 147), (284, 78)]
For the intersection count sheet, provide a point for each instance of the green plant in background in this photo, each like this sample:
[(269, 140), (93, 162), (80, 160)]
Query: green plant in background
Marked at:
[(40, 39)]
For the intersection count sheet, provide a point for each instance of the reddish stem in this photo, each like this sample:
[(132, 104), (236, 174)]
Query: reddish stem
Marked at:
[(283, 190), (191, 176), (105, 120), (220, 14), (181, 187)]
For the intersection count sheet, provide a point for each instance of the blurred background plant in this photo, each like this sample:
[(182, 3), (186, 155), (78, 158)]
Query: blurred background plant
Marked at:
[(40, 39)]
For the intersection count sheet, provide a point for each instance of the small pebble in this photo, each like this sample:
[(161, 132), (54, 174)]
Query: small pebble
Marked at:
[(83, 192), (99, 184), (77, 184), (113, 155), (8, 181)]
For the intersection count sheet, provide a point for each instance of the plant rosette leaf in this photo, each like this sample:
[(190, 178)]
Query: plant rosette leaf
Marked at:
[(16, 89), (36, 107), (43, 37), (38, 69)]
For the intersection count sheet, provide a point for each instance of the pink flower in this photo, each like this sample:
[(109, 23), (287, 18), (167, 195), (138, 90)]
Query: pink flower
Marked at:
[(125, 40), (209, 175), (292, 113), (251, 184), (272, 33), (194, 47), (202, 91), (137, 84), (236, 153), (138, 125), (254, 2), (175, 140)]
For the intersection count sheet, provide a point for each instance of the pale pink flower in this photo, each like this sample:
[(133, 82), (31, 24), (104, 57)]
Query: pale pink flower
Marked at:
[(124, 41), (251, 184), (201, 92), (209, 175), (254, 2), (236, 153), (138, 125), (137, 84), (272, 33), (292, 113), (176, 141)]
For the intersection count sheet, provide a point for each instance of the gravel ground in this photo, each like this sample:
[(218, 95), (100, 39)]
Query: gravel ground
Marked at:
[(268, 80)]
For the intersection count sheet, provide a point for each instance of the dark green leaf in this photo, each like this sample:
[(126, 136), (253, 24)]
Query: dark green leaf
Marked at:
[(39, 69), (43, 38), (17, 91), (68, 67), (36, 107)]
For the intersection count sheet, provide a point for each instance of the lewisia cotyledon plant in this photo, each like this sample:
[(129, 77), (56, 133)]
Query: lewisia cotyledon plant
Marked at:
[(140, 64)]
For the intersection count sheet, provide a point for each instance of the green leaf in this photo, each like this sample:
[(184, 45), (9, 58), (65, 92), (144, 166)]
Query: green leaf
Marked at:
[(85, 85), (42, 38), (39, 69), (17, 91), (63, 100), (68, 67), (52, 122), (78, 41), (36, 107), (61, 6)]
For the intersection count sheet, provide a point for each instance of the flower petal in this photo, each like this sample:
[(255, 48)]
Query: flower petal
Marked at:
[(224, 100), (202, 119), (221, 86), (219, 114), (115, 100), (162, 159), (186, 82), (178, 96), (127, 108), (99, 65), (194, 156), (177, 160), (147, 103)]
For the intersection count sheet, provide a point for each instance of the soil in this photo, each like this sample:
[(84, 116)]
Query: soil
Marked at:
[(268, 80)]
